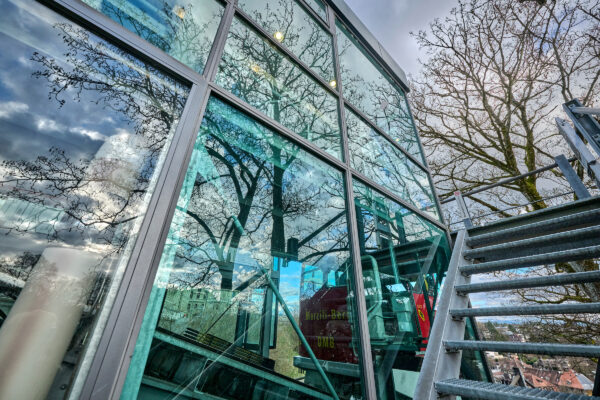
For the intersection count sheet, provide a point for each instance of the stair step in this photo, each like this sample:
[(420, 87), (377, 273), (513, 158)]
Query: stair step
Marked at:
[(496, 391), (572, 350), (528, 230), (534, 244), (541, 281), (582, 253), (545, 309)]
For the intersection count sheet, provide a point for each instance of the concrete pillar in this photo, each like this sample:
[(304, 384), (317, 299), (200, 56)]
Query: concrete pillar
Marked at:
[(36, 333)]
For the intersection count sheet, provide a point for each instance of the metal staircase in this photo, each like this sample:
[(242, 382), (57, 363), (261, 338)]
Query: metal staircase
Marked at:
[(566, 233)]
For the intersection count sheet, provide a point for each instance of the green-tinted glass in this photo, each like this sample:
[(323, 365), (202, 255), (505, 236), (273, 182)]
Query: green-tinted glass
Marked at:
[(319, 7), (184, 30), (260, 227), (259, 74), (372, 91), (404, 259), (372, 155), (296, 29)]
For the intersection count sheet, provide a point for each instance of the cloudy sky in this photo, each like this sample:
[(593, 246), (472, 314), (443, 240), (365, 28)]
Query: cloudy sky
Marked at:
[(392, 20)]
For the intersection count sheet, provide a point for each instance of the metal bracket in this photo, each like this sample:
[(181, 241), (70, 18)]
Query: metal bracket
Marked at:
[(584, 123), (580, 149)]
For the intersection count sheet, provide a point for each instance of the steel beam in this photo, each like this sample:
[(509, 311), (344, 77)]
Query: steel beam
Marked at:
[(532, 261), (584, 155), (572, 177), (587, 126), (439, 364), (543, 281), (572, 350), (542, 309)]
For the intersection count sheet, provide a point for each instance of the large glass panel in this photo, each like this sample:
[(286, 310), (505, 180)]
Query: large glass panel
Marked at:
[(404, 259), (319, 7), (84, 129), (372, 155), (184, 30), (371, 90), (259, 74), (259, 231), (296, 29)]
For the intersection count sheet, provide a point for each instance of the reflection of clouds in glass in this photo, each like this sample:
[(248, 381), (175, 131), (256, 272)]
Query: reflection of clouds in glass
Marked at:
[(184, 32), (9, 108), (83, 129)]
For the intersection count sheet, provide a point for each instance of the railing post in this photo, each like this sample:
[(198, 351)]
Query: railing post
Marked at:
[(572, 177), (462, 206)]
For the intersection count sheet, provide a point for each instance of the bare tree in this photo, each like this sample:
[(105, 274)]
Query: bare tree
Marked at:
[(496, 72)]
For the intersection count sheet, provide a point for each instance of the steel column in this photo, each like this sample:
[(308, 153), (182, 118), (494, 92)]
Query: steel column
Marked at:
[(362, 320)]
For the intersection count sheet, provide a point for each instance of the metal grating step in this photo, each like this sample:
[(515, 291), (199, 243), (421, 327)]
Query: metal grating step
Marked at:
[(572, 350), (551, 280), (543, 309), (531, 261), (565, 222), (496, 391), (533, 244)]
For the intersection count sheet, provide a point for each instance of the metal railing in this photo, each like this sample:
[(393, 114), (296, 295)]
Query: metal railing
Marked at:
[(576, 185)]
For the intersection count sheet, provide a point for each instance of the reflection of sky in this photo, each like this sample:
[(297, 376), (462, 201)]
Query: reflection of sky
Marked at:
[(78, 123)]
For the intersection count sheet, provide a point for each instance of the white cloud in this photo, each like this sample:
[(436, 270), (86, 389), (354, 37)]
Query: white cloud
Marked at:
[(9, 108), (48, 125), (94, 135)]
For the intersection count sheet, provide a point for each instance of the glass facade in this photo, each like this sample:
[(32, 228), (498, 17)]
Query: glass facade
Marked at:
[(84, 129), (298, 31), (256, 72), (279, 241), (374, 156), (263, 227)]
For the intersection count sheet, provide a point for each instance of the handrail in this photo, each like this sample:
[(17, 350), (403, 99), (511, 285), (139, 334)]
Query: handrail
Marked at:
[(515, 207), (503, 181)]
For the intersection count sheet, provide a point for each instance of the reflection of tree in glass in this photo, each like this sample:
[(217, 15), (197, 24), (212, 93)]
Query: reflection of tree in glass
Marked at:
[(296, 30), (97, 197), (379, 160), (249, 201), (369, 90), (257, 73)]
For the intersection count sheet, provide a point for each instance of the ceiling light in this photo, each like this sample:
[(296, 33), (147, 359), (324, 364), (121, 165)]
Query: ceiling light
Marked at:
[(333, 83), (278, 36)]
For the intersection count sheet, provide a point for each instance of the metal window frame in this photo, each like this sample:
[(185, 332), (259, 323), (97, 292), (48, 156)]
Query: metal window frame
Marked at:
[(109, 365)]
